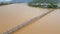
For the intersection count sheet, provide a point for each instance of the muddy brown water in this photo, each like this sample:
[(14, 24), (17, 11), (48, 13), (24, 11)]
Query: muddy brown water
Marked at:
[(50, 24), (15, 14)]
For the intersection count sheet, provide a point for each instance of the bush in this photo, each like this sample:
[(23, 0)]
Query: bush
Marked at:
[(52, 6), (33, 4), (6, 3), (48, 6)]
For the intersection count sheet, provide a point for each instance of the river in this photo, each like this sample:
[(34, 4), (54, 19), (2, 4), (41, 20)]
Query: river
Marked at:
[(15, 14)]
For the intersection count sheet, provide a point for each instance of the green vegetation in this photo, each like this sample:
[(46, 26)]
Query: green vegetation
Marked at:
[(44, 3), (52, 6), (5, 3)]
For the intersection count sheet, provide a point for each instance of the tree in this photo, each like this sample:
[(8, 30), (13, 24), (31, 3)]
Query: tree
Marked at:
[(51, 2), (5, 2), (46, 1)]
